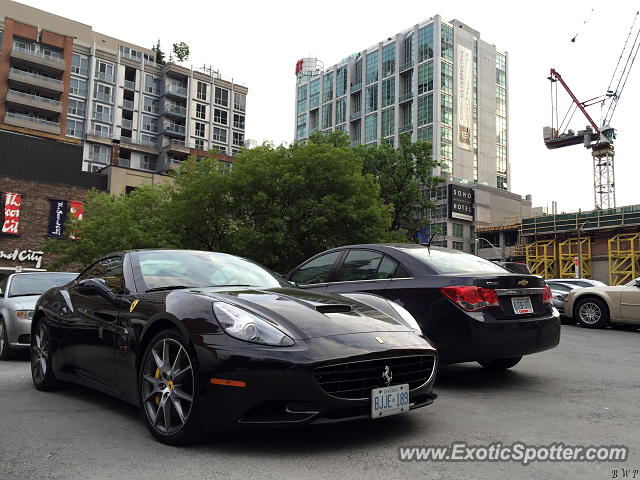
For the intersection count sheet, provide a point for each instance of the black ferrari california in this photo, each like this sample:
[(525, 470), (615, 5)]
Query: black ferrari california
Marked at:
[(471, 308), (208, 341)]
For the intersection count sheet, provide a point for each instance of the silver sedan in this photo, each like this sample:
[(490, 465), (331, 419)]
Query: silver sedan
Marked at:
[(18, 295)]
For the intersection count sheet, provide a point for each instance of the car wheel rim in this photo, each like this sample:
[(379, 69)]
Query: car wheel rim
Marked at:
[(590, 313), (167, 386), (40, 353)]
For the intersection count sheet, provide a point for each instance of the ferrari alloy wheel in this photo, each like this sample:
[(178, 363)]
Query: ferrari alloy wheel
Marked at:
[(501, 363), (592, 313), (5, 350), (41, 371), (168, 389)]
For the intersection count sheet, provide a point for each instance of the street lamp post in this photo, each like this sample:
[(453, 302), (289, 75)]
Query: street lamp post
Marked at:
[(579, 269), (499, 252)]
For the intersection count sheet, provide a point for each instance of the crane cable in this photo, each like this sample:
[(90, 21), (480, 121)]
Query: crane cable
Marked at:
[(624, 74)]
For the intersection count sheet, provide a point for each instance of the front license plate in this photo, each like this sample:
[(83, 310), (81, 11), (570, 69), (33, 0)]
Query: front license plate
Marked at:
[(391, 400), (522, 305)]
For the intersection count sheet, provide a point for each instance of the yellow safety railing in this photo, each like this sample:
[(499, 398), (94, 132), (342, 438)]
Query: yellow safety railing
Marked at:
[(568, 252), (624, 258), (541, 258)]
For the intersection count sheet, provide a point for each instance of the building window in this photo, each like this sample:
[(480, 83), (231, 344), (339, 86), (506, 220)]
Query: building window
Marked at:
[(356, 78), (457, 245), (501, 69), (301, 126), (102, 130), (425, 109), (219, 134), (79, 65), (151, 84), (341, 81), (199, 129), (446, 109), (458, 230), (446, 142), (104, 71), (388, 92), (103, 93), (327, 87), (151, 140), (76, 107), (372, 67), (371, 128), (425, 43), (75, 128), (501, 130), (314, 93), (78, 87), (371, 99), (388, 60), (239, 101), (446, 77), (302, 98), (220, 116), (201, 110), (425, 134), (326, 116), (238, 121), (408, 49), (446, 45), (238, 139), (150, 104), (99, 153), (425, 78), (341, 110), (501, 182), (201, 91), (150, 124), (222, 97), (102, 113), (388, 122), (149, 162), (199, 144)]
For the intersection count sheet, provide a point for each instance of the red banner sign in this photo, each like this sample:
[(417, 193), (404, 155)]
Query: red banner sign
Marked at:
[(12, 203), (76, 210)]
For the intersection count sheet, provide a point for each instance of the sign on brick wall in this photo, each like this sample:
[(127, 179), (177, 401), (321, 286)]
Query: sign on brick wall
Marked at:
[(57, 218), (11, 218)]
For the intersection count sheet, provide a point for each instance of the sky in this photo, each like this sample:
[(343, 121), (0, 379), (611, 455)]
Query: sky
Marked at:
[(257, 43)]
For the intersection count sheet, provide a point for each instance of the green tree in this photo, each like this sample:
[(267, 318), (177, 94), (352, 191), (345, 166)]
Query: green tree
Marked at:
[(159, 53), (295, 201), (111, 223), (404, 175), (181, 51), (202, 213)]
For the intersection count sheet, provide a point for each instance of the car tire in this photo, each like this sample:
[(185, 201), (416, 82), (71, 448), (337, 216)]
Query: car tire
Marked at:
[(168, 389), (500, 363), (41, 370), (6, 353), (591, 312)]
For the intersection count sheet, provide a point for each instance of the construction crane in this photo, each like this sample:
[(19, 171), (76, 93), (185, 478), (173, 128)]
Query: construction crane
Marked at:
[(597, 138)]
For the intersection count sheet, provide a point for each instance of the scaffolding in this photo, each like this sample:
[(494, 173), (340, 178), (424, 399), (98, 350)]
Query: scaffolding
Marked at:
[(624, 258), (569, 254), (541, 258)]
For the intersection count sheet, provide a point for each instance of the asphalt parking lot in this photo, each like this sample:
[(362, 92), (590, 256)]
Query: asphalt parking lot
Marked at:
[(583, 392)]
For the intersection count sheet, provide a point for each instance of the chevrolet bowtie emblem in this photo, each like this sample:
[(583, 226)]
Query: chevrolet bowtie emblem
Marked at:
[(523, 283), (379, 339)]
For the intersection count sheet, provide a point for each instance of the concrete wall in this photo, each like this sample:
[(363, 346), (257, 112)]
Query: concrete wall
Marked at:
[(121, 178)]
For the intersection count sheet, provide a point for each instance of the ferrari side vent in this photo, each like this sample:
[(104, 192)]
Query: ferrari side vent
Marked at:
[(333, 308)]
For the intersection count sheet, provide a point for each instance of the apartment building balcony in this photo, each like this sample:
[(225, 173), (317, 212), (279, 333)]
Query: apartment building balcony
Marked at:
[(405, 97), (139, 144), (102, 117), (33, 80), (27, 121), (355, 115), (129, 85), (39, 58), (103, 97), (408, 127), (126, 123), (356, 87), (406, 66), (105, 77), (171, 110), (127, 104), (175, 146), (175, 91), (124, 162), (173, 129), (34, 101), (99, 132)]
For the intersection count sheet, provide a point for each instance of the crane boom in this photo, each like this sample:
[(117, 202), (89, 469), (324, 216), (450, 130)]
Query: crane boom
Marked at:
[(555, 76)]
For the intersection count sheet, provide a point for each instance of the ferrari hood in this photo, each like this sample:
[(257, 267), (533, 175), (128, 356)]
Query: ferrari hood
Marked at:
[(303, 314)]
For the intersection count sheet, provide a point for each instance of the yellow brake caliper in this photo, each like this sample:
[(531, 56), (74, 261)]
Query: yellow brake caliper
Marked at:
[(157, 399)]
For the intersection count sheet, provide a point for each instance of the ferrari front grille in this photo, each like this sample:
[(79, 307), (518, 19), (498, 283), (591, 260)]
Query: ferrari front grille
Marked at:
[(355, 380)]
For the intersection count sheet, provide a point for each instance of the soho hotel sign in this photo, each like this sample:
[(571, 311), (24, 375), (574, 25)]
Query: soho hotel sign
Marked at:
[(461, 201)]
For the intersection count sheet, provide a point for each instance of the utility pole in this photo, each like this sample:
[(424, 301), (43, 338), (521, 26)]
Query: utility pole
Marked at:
[(579, 269)]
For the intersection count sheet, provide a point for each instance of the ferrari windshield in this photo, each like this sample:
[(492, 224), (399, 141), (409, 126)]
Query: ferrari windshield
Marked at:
[(169, 269), (37, 283)]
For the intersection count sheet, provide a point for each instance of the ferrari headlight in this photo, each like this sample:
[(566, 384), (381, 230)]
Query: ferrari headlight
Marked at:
[(246, 326), (406, 316), (25, 314)]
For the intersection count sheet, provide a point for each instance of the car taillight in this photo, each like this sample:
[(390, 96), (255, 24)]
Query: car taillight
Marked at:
[(471, 298), (547, 295)]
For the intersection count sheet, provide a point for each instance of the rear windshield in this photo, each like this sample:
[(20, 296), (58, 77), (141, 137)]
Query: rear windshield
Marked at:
[(453, 261), (37, 283)]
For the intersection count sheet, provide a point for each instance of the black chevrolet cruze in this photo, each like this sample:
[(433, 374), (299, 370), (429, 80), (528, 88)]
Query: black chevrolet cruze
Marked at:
[(203, 340), (471, 308)]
